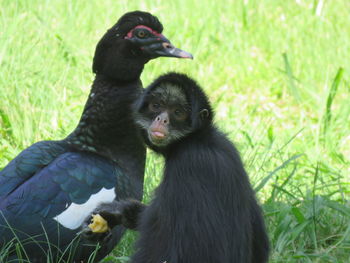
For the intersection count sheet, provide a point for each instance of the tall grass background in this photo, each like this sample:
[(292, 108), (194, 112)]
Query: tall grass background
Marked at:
[(277, 73)]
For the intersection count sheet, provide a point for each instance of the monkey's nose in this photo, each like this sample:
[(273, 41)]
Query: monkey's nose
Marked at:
[(162, 120)]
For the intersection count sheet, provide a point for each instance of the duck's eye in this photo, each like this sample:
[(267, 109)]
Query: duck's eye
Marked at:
[(141, 34)]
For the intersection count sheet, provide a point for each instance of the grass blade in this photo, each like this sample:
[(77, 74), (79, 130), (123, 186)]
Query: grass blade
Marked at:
[(267, 178), (332, 92), (292, 87)]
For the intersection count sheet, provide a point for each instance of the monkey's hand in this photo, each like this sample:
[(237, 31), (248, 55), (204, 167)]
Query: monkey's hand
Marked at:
[(97, 226), (106, 216)]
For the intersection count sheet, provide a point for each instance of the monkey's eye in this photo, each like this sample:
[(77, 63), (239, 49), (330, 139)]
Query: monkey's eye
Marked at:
[(180, 114), (155, 107), (141, 33)]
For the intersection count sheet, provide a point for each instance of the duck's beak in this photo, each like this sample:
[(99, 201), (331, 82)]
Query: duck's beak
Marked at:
[(164, 48), (159, 46)]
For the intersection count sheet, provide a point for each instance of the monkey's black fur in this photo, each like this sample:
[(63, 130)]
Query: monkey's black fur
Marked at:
[(204, 210)]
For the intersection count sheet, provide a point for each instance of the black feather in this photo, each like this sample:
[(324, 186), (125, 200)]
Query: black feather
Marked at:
[(104, 151), (108, 60)]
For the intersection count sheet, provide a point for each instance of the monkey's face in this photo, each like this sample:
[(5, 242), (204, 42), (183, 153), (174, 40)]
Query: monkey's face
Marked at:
[(165, 115)]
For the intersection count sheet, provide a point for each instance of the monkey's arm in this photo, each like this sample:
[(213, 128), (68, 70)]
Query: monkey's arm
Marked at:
[(108, 215), (125, 212)]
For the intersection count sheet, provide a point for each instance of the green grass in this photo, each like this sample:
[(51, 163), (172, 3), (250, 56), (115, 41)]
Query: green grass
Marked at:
[(277, 72)]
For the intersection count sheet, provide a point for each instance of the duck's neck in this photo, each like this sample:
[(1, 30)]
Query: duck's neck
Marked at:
[(106, 125), (119, 61)]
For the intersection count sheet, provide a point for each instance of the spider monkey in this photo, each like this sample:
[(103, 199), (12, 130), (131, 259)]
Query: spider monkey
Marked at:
[(204, 210)]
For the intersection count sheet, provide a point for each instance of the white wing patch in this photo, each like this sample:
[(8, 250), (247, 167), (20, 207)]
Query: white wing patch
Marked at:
[(75, 214)]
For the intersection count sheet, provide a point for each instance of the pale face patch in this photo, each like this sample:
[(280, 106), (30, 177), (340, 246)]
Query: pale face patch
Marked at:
[(75, 214), (170, 94)]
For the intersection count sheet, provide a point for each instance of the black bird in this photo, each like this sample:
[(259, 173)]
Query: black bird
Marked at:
[(48, 190)]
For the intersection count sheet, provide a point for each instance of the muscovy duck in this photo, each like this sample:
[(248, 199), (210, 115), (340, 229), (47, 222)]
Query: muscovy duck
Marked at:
[(48, 190)]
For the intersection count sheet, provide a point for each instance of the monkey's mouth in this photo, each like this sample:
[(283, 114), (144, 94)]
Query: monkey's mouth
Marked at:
[(157, 137)]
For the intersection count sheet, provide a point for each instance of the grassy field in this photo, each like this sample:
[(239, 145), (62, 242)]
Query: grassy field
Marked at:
[(277, 72)]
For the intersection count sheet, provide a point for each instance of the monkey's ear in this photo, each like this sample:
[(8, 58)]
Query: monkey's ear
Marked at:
[(203, 114)]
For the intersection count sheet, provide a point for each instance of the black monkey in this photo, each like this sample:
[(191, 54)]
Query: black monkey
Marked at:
[(204, 210)]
